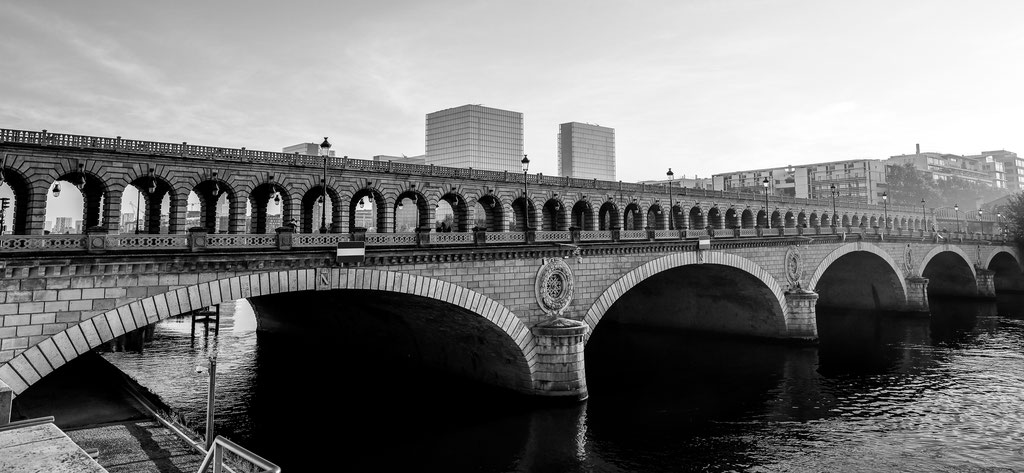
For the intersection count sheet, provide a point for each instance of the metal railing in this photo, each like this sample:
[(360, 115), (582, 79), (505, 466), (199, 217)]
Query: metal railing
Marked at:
[(223, 448), (26, 423)]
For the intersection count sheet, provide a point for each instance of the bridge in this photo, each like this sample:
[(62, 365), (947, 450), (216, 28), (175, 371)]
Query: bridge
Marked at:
[(511, 305)]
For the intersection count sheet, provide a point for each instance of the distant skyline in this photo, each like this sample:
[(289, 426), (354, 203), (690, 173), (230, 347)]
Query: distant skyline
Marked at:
[(702, 87)]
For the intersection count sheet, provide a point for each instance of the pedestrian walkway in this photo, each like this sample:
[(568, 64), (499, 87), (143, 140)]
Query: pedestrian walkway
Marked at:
[(43, 447), (138, 446)]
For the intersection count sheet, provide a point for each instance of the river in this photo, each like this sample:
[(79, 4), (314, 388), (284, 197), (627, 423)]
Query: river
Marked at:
[(878, 393)]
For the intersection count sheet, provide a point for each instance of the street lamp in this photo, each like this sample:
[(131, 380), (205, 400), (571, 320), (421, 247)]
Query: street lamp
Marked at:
[(671, 217), (885, 208), (924, 217), (834, 192), (981, 226), (526, 194), (956, 209), (767, 218), (999, 220), (325, 148)]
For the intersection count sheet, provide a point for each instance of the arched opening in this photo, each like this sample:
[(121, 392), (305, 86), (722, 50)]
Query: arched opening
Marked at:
[(815, 220), (762, 219), (583, 215), (826, 219), (451, 211), (318, 210), (270, 205), (656, 218), (777, 219), (489, 213), (846, 220), (697, 221), (608, 216), (689, 298), (523, 213), (860, 280), (949, 275), (855, 220), (747, 219), (213, 198), (874, 222), (554, 215), (715, 218), (74, 203), (410, 212), (14, 187), (633, 217), (801, 220), (679, 220), (790, 220), (1008, 276), (364, 211)]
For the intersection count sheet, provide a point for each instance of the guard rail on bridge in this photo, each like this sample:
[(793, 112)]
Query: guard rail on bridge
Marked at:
[(201, 241)]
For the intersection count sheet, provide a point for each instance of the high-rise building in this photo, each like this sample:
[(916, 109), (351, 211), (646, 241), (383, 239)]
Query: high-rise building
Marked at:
[(586, 151), (475, 136), (1012, 167), (63, 225)]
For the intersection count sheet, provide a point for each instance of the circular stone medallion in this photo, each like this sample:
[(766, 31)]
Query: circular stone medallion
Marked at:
[(554, 286), (793, 271)]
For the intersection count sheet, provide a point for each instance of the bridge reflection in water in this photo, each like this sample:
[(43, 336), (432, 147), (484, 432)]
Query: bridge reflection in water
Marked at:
[(878, 392)]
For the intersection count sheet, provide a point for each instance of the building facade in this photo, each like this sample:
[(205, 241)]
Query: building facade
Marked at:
[(862, 180), (475, 136), (586, 151), (308, 149), (1012, 167)]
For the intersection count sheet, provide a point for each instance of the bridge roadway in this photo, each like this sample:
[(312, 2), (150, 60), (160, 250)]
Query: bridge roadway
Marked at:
[(511, 314)]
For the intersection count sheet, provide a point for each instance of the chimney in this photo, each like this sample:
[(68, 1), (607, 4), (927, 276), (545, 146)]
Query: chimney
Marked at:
[(918, 148)]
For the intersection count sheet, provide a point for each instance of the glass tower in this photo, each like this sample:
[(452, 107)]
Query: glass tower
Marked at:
[(586, 151), (475, 136)]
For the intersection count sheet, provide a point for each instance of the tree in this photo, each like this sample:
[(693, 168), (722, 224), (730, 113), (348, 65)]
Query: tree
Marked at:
[(1013, 219), (907, 186)]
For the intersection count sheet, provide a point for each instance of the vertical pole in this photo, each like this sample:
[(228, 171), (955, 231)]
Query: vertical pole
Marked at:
[(209, 401)]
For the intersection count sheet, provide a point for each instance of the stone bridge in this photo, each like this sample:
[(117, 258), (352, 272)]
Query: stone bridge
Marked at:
[(515, 315), (533, 267)]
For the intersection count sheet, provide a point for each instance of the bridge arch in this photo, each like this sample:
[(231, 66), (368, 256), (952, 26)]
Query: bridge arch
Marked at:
[(43, 358), (949, 271), (897, 282), (583, 215), (632, 217), (715, 218), (928, 257), (620, 287), (22, 194), (554, 215), (608, 216), (747, 219), (657, 218)]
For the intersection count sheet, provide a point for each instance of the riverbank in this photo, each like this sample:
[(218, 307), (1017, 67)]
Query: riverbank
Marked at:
[(91, 401)]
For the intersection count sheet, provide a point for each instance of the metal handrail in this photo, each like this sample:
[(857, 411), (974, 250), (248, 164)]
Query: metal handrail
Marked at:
[(215, 456), (26, 423)]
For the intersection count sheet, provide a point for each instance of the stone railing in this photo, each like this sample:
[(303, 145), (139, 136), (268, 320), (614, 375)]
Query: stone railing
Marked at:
[(200, 241)]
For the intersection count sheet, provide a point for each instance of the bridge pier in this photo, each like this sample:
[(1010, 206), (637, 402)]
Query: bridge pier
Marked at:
[(917, 294), (802, 322), (559, 370), (986, 282)]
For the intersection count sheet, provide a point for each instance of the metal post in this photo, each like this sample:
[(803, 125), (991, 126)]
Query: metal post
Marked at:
[(956, 209), (885, 208), (209, 402), (924, 217), (526, 194), (767, 216), (833, 191), (671, 217), (325, 150)]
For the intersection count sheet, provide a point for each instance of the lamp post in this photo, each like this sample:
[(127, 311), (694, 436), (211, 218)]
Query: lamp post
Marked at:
[(924, 216), (767, 217), (956, 209), (999, 220), (325, 148), (671, 217), (885, 208), (526, 194), (981, 226), (832, 189)]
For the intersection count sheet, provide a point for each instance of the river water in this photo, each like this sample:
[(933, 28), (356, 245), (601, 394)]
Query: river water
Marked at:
[(878, 393)]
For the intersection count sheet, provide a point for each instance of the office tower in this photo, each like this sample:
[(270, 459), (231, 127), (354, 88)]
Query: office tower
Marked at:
[(475, 136), (586, 151)]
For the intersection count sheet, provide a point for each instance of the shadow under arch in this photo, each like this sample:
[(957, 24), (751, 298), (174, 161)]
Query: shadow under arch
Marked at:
[(849, 284), (21, 192), (949, 271), (769, 294), (36, 362)]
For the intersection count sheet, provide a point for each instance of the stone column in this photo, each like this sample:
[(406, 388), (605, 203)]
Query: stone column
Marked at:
[(802, 323), (917, 294), (986, 282), (236, 210), (560, 371)]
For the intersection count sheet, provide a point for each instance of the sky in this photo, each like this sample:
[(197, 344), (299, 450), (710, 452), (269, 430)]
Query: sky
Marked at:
[(700, 86)]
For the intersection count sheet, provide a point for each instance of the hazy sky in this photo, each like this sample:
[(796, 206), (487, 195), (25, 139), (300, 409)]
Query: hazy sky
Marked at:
[(699, 86)]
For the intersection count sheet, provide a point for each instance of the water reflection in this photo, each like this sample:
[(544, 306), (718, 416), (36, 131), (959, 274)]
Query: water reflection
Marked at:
[(878, 393)]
